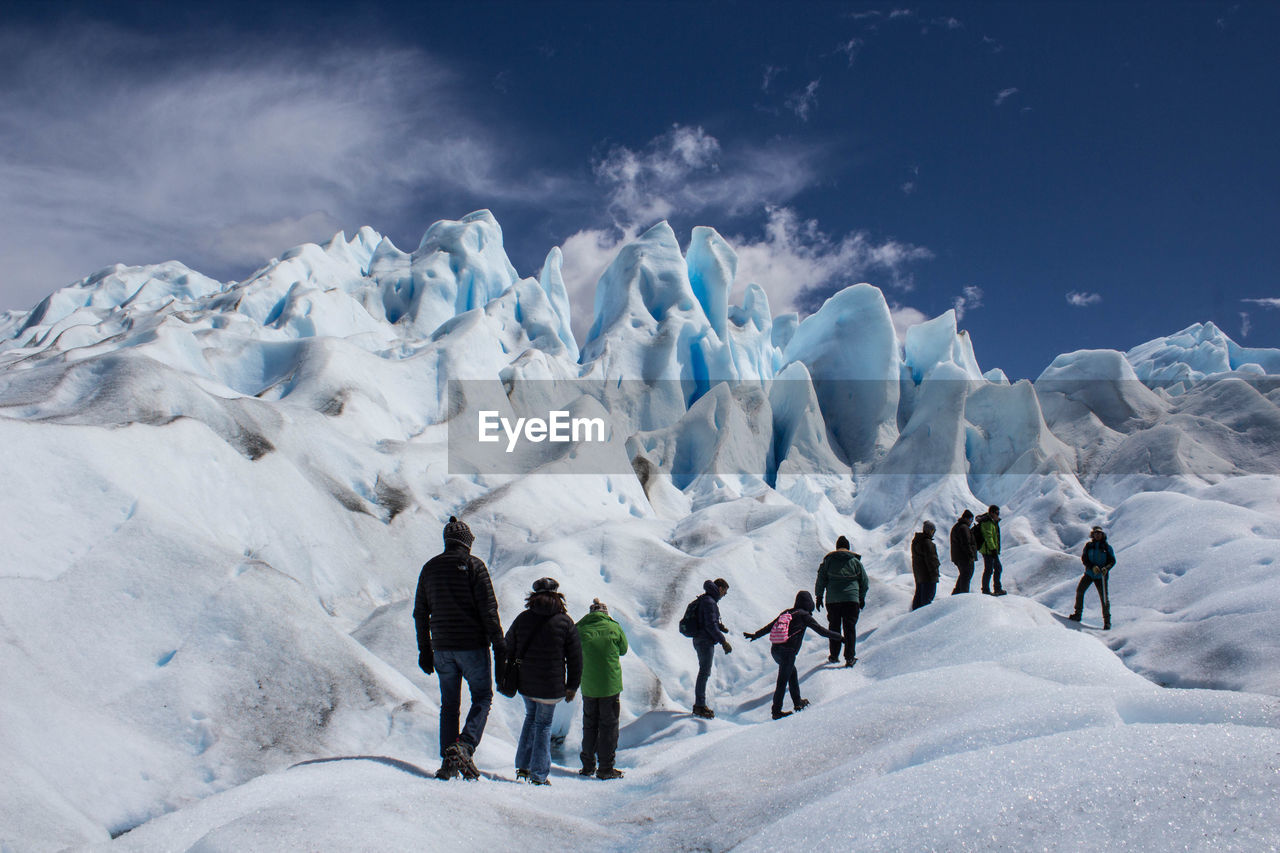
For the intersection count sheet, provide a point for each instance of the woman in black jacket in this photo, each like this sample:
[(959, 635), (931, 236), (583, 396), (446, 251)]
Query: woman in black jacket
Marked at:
[(799, 618), (545, 640)]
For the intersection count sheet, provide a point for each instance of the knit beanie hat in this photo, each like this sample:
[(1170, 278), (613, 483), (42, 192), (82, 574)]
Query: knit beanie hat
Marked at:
[(842, 543), (457, 531), (546, 585), (598, 606)]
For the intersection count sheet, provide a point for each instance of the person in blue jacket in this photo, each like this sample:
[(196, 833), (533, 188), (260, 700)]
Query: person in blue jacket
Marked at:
[(707, 635), (796, 621), (1098, 558)]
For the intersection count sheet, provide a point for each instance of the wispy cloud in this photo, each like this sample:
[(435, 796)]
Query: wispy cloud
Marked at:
[(909, 186), (141, 149), (1004, 95), (1083, 300), (1246, 325), (968, 300), (770, 74), (1265, 302), (803, 101)]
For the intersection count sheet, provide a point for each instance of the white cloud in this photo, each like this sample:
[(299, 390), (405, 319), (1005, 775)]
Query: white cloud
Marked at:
[(1004, 95), (1246, 325), (1266, 302), (794, 261), (850, 49), (587, 254), (1083, 300), (803, 101), (904, 317), (970, 298), (770, 74), (141, 150)]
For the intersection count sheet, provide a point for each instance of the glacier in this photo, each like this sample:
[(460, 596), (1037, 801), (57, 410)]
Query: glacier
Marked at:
[(220, 493)]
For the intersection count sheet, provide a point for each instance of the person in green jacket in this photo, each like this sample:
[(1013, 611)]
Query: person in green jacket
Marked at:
[(603, 642), (988, 537), (843, 581)]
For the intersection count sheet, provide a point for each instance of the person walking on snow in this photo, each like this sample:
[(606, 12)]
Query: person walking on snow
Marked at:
[(708, 632), (546, 642), (603, 643), (786, 632), (843, 581), (964, 551), (456, 617), (1098, 558), (924, 565), (989, 547)]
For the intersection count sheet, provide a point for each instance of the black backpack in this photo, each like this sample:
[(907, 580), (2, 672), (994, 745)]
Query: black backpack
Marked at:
[(689, 621)]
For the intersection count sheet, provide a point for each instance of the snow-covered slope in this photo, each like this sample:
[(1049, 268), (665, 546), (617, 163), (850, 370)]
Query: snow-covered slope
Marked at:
[(219, 496)]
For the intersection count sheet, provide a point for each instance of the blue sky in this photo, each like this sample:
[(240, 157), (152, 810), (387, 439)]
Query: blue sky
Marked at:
[(1068, 175)]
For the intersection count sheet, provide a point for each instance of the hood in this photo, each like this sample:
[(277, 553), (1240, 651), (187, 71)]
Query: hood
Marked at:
[(841, 557), (804, 601), (592, 619), (710, 588), (920, 534)]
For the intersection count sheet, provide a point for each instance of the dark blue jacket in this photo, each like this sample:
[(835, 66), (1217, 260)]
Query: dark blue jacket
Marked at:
[(1098, 558), (709, 615), (801, 620)]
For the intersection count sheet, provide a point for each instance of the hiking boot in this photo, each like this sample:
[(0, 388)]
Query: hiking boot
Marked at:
[(448, 768), (986, 592), (587, 771), (522, 775), (1106, 626), (611, 773), (833, 658), (850, 662), (704, 712), (1000, 592), (779, 714), (1075, 617), (460, 752), (801, 705), (533, 781)]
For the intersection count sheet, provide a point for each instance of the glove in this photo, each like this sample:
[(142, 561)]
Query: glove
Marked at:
[(722, 627), (724, 644), (818, 604), (569, 694), (748, 636), (427, 662)]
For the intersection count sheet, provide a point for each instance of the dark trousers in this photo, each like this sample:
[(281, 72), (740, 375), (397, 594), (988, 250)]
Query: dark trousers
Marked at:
[(788, 678), (706, 650), (600, 730), (991, 569), (842, 617), (1101, 584), (452, 667), (925, 591), (966, 574)]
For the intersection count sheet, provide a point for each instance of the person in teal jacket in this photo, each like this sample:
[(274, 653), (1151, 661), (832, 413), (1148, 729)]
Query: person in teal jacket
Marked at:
[(843, 581), (603, 643), (1098, 558)]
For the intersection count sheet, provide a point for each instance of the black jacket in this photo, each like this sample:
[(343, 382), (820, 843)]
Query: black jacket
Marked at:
[(709, 629), (801, 620), (964, 550), (549, 647), (924, 558), (455, 609)]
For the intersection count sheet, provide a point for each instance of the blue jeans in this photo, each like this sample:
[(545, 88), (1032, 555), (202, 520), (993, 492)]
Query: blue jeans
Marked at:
[(533, 753), (706, 650), (452, 667), (787, 676)]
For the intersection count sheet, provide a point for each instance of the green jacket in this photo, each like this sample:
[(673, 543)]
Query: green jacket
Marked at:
[(603, 642), (988, 535), (841, 578)]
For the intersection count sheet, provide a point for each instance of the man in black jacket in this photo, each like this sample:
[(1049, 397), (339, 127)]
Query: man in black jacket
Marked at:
[(964, 551), (456, 614), (798, 619), (924, 565)]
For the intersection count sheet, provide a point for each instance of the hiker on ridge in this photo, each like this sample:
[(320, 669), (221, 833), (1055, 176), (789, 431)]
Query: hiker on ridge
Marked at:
[(964, 551), (786, 633), (843, 581), (456, 616), (707, 630), (924, 565), (988, 536), (1098, 558), (545, 641), (603, 642)]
